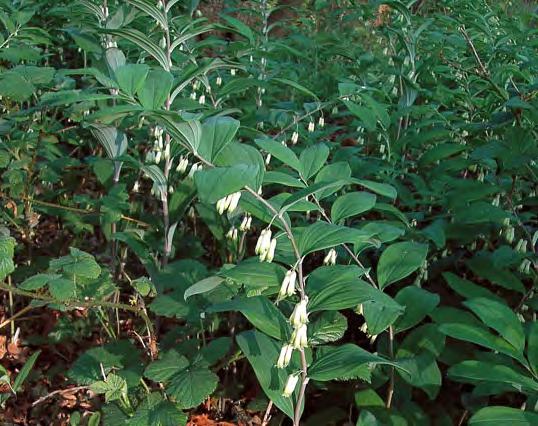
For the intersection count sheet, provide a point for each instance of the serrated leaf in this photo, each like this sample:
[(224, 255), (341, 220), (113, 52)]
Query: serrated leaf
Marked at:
[(191, 386), (164, 368)]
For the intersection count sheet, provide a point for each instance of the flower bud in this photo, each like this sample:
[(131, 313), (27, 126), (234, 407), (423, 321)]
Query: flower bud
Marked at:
[(496, 200), (299, 316), (267, 159), (521, 246), (136, 186), (509, 235), (201, 100), (311, 127), (285, 356), (321, 122), (287, 288), (330, 257), (170, 189), (525, 266), (158, 156), (219, 81), (294, 138), (232, 234), (271, 252), (299, 339), (234, 201), (232, 71), (221, 205), (264, 242), (182, 165), (291, 383), (245, 223)]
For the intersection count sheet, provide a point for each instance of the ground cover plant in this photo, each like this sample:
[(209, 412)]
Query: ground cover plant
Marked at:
[(268, 212)]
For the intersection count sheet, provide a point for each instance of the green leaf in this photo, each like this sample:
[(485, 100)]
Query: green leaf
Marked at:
[(203, 286), (532, 346), (499, 317), (312, 189), (422, 372), (329, 327), (156, 89), (260, 312), (468, 289), (163, 369), (481, 371), (131, 78), (399, 260), (332, 288), (496, 415), (295, 85), (382, 189), (418, 304), (62, 288), (352, 204), (322, 235), (256, 275), (339, 171), (484, 266), (144, 42), (14, 86), (216, 183), (157, 177), (155, 411), (281, 178), (191, 386), (151, 10), (77, 263), (115, 59), (239, 27), (343, 362), (262, 353), (7, 251), (216, 349), (38, 281), (479, 336), (365, 114), (25, 371), (186, 133), (217, 132), (280, 151), (379, 316), (312, 159), (114, 387), (111, 139)]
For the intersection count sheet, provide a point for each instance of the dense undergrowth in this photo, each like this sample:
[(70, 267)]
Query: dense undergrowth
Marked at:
[(256, 213)]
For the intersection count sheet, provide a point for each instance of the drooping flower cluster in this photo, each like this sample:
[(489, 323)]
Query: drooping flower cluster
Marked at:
[(299, 336), (287, 288), (265, 247), (228, 203), (330, 257), (245, 223)]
